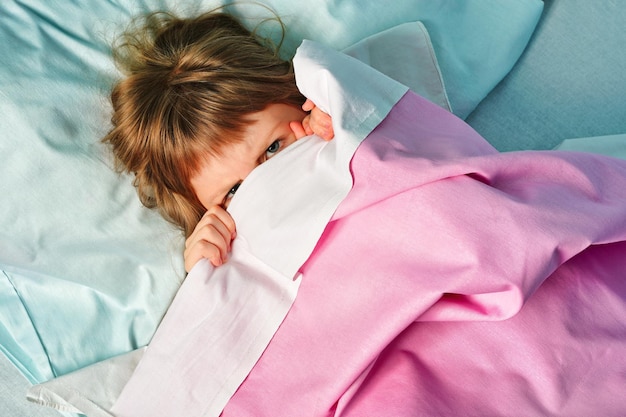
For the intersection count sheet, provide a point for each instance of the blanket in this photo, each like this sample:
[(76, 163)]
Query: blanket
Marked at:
[(452, 279)]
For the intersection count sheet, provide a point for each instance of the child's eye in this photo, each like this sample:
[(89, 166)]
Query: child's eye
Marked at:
[(230, 194), (272, 149)]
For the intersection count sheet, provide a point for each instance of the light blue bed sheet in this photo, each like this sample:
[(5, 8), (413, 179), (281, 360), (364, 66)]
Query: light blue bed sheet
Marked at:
[(86, 271), (569, 82)]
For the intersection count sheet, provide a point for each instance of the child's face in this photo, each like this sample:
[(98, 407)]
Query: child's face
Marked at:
[(269, 133)]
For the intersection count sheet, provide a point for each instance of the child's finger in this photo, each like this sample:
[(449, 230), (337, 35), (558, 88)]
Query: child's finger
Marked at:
[(321, 123), (297, 129), (204, 229), (215, 233), (308, 105), (202, 250), (211, 241), (329, 133), (307, 124), (211, 238), (225, 218)]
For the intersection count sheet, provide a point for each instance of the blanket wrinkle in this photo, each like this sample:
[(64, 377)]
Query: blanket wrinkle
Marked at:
[(485, 306)]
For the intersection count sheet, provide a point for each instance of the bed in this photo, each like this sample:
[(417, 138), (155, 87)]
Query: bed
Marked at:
[(88, 273)]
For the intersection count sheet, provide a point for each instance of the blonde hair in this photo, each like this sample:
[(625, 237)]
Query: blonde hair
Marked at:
[(189, 85)]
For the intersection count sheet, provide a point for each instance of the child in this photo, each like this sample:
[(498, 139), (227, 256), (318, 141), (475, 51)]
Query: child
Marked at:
[(203, 103)]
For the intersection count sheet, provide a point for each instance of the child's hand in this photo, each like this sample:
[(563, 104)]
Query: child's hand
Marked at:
[(316, 122), (211, 239)]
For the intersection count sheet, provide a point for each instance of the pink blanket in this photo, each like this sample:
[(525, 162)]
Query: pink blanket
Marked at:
[(454, 280), (451, 280)]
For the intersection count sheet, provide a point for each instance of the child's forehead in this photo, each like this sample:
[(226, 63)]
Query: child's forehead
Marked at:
[(216, 146), (248, 139)]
